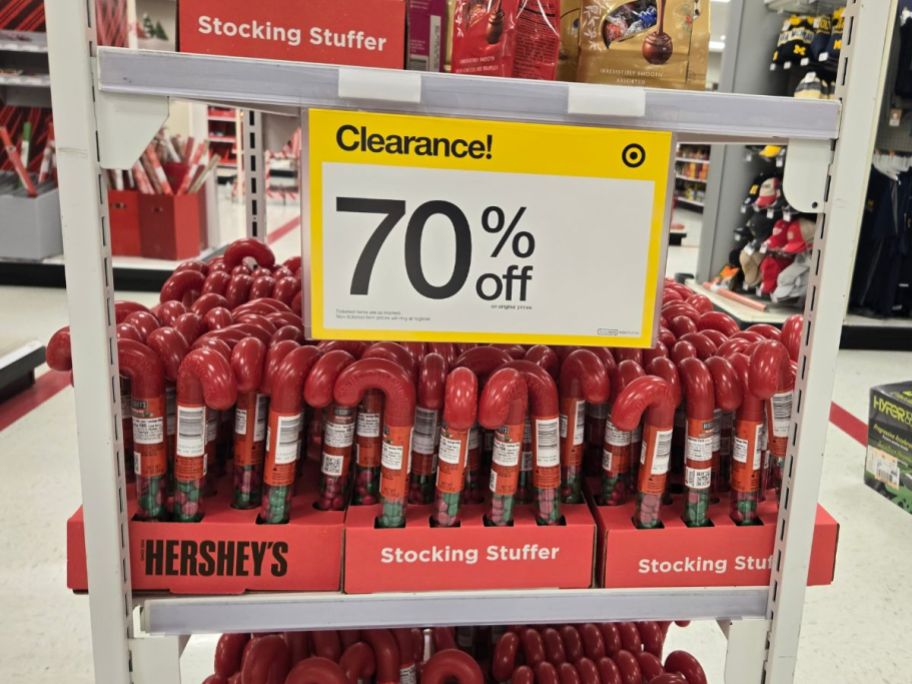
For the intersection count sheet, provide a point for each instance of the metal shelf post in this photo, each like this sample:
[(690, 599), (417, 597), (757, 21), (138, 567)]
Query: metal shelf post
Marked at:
[(90, 299)]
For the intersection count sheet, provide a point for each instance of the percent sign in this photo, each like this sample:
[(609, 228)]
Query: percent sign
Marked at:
[(489, 286), (492, 286)]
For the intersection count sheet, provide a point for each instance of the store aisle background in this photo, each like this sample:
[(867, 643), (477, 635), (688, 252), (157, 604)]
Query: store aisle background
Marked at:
[(847, 629)]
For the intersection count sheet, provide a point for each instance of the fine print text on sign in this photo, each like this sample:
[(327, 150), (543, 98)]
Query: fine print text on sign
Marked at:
[(430, 229)]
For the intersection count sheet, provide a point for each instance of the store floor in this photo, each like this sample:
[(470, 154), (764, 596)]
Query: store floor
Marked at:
[(850, 629)]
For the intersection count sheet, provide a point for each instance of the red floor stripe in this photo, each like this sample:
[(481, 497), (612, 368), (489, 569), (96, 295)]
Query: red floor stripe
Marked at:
[(45, 387), (855, 428), (283, 230)]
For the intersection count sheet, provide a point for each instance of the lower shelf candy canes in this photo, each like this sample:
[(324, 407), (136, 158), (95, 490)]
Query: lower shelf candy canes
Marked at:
[(399, 416), (502, 408), (432, 375), (144, 369), (205, 383), (746, 456), (582, 379), (545, 423), (655, 398), (248, 360), (283, 435), (338, 429), (459, 414)]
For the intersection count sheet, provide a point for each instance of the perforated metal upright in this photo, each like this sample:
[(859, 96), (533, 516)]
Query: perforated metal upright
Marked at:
[(110, 102)]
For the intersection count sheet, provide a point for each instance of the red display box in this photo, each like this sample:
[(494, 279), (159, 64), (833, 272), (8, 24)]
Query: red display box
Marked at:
[(123, 213), (723, 555), (228, 552), (171, 225), (352, 32), (419, 557)]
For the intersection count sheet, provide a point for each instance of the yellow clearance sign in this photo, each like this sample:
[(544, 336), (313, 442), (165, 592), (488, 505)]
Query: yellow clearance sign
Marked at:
[(461, 230)]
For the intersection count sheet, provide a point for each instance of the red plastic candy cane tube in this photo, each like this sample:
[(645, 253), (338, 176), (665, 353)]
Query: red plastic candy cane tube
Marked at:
[(542, 355), (545, 425), (582, 379), (283, 436), (150, 459), (357, 662), (171, 348), (246, 249), (668, 371), (791, 335), (182, 286), (503, 408), (482, 361), (716, 320), (459, 414), (773, 380), (746, 457), (698, 448), (728, 398), (248, 361), (316, 670), (386, 654), (654, 397), (338, 429), (432, 377), (399, 417), (452, 665), (596, 417), (618, 445), (204, 383)]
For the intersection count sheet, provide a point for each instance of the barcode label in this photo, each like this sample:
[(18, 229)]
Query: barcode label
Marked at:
[(697, 478), (662, 452), (492, 481), (607, 459), (137, 463), (717, 430), (418, 63), (148, 430), (547, 443), (473, 438), (262, 412), (740, 451), (368, 424), (408, 675), (171, 409), (422, 444), (212, 425), (391, 457), (425, 421), (191, 438), (782, 413), (289, 429), (616, 437), (883, 466), (449, 450), (338, 435), (577, 426), (240, 421), (598, 411), (505, 453), (698, 448), (332, 465), (435, 38)]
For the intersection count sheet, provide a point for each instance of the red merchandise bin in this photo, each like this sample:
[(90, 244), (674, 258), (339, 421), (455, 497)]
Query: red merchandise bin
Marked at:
[(123, 214), (171, 225)]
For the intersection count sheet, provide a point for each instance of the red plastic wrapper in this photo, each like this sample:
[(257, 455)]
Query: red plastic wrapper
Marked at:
[(484, 37), (537, 40)]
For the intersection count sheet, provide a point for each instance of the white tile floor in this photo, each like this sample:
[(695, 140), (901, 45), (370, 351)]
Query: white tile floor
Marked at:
[(850, 633)]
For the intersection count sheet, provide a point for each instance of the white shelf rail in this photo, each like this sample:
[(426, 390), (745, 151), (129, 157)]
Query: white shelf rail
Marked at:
[(106, 95)]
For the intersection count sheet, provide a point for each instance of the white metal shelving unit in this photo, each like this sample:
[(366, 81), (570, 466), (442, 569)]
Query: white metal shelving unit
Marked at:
[(116, 99)]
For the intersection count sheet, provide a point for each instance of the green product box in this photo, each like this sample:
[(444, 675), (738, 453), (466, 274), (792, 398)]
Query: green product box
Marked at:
[(888, 463)]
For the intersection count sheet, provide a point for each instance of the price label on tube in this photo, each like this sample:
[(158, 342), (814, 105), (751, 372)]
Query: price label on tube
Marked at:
[(435, 229)]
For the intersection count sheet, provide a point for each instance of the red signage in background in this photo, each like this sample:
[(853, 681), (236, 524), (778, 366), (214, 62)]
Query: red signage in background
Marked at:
[(351, 32)]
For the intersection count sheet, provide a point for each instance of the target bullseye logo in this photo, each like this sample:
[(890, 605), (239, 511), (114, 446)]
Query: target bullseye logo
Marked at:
[(633, 156)]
